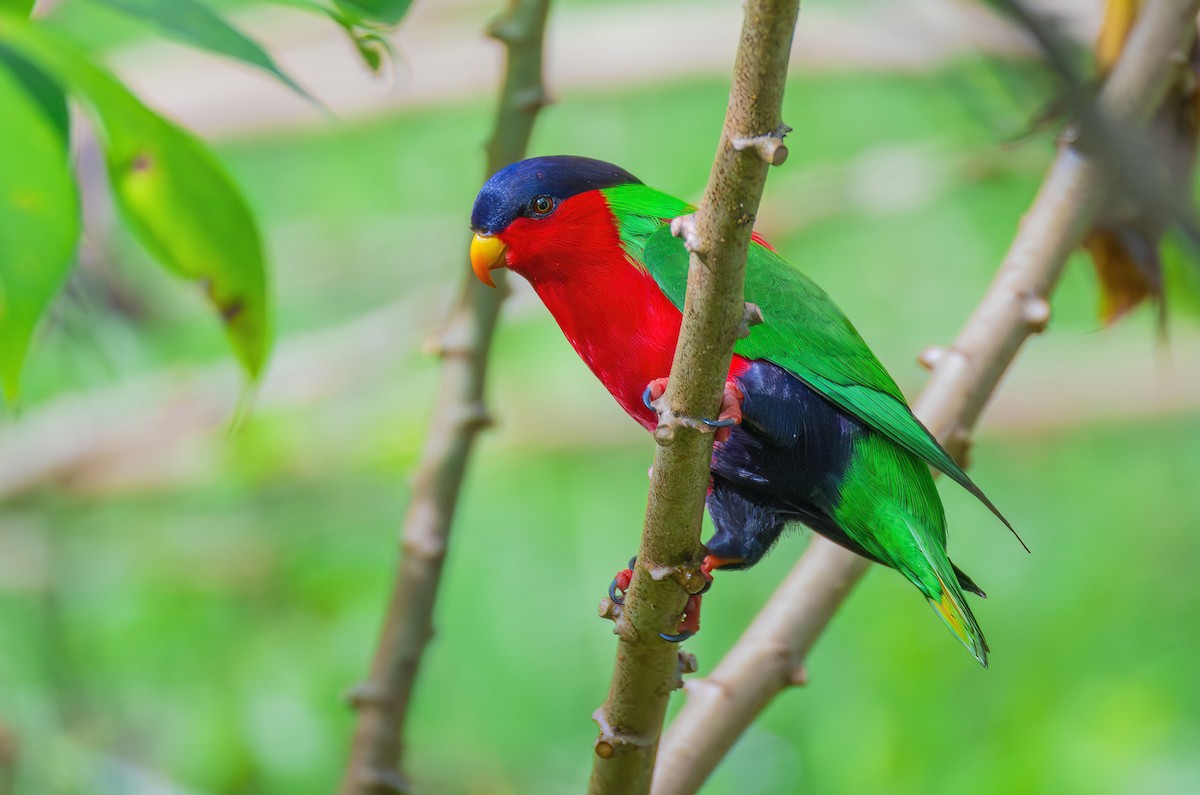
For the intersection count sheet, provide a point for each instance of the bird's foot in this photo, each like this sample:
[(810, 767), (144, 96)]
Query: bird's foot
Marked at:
[(707, 565), (730, 413), (689, 622), (620, 583)]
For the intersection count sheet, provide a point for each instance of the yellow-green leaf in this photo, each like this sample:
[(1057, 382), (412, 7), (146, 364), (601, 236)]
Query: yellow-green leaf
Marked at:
[(39, 219), (172, 192)]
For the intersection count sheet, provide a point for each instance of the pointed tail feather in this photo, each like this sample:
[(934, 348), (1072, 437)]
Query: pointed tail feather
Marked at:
[(952, 607), (966, 583)]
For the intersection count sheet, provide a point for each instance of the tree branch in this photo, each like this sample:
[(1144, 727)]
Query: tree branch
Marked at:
[(770, 654), (718, 236), (459, 413)]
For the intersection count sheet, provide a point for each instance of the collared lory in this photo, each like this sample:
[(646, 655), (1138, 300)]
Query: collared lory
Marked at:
[(824, 436)]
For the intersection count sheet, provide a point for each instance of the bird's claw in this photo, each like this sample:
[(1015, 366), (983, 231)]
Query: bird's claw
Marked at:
[(621, 583), (689, 622), (730, 413), (612, 592)]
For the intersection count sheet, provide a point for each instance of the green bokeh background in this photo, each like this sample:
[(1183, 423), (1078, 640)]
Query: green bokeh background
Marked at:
[(201, 629)]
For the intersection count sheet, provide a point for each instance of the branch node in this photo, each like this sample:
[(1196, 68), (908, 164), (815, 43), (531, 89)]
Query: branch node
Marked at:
[(530, 99), (769, 147), (611, 742), (685, 664), (609, 609), (931, 356), (668, 421), (1035, 311), (475, 416), (509, 31), (685, 227), (664, 435), (799, 676), (751, 316), (689, 578), (707, 688), (379, 779), (365, 694), (622, 626)]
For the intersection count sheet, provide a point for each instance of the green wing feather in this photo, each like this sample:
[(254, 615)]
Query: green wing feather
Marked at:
[(802, 331)]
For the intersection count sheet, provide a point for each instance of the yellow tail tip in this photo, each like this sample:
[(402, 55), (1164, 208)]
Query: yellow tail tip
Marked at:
[(957, 617)]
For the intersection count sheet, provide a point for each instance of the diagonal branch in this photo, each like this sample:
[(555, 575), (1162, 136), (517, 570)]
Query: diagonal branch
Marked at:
[(718, 236), (459, 414), (770, 654)]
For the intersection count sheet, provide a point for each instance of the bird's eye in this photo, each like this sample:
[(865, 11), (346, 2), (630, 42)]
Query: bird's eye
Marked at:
[(542, 205)]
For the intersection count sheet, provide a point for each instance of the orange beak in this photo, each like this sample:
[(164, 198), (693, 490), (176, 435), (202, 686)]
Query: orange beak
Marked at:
[(487, 254)]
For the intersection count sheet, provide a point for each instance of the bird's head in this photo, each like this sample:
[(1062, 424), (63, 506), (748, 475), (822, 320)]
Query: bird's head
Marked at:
[(536, 205)]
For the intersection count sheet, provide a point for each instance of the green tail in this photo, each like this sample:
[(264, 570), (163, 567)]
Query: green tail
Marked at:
[(889, 510), (951, 605)]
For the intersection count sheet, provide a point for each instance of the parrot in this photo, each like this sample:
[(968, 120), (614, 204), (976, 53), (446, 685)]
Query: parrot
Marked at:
[(812, 428)]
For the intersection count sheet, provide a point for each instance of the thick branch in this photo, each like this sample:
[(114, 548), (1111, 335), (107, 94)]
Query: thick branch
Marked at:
[(647, 668), (770, 654), (459, 413)]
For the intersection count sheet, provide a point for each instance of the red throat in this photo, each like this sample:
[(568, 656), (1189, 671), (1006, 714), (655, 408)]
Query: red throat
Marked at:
[(611, 310)]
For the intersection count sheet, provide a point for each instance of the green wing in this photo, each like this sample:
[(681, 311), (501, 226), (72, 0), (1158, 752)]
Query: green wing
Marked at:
[(803, 330)]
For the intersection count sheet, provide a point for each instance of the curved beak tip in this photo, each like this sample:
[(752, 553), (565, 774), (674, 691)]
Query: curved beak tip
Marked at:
[(487, 254)]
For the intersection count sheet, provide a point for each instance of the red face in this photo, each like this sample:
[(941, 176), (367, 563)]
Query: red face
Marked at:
[(552, 246)]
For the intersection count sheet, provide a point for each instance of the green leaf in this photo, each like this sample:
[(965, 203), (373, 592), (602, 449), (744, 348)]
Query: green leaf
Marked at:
[(1181, 278), (39, 218), (387, 12), (363, 30), (41, 88), (22, 7), (173, 193), (197, 24)]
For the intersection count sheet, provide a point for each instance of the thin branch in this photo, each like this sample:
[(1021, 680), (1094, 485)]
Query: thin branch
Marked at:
[(459, 414), (770, 654), (1144, 175), (718, 236), (10, 752)]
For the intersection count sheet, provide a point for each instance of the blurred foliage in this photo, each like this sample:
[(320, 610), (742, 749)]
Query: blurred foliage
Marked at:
[(172, 192), (39, 220), (196, 23), (199, 624)]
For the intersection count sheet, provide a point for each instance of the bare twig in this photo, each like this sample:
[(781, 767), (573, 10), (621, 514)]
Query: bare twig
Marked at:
[(459, 413), (647, 668), (9, 754), (770, 654), (1114, 126)]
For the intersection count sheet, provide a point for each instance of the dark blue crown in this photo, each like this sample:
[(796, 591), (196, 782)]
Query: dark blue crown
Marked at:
[(507, 195)]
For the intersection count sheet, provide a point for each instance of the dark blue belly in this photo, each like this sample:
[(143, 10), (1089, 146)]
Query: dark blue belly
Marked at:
[(784, 463)]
